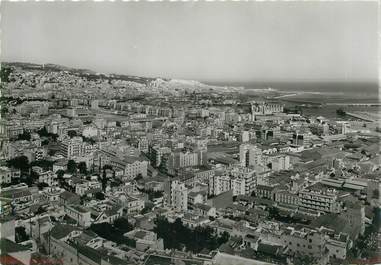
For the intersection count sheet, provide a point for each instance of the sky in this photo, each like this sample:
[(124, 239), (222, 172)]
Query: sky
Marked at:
[(207, 41)]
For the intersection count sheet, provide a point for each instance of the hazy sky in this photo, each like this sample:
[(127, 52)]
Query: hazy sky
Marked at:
[(210, 41)]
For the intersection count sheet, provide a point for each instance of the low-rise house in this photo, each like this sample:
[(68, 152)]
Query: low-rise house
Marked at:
[(235, 210), (338, 245), (21, 196), (90, 239), (132, 204), (305, 241), (204, 210), (256, 215), (245, 200), (222, 225), (51, 195), (39, 226), (108, 215), (265, 191), (196, 198), (70, 245), (127, 187), (68, 197), (85, 186), (194, 220), (47, 177), (269, 249), (251, 241), (79, 214), (55, 245), (60, 165), (284, 197), (5, 175), (145, 240)]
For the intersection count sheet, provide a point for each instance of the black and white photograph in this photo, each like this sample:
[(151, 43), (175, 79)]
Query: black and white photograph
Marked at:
[(190, 133)]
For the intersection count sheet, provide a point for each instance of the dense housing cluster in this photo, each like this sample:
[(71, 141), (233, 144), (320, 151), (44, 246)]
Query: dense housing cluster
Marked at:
[(108, 169)]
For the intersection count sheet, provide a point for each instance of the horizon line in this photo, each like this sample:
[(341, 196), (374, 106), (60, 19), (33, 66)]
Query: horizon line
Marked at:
[(211, 82)]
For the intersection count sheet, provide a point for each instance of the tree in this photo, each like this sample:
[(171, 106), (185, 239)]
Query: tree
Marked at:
[(4, 110), (20, 162), (138, 177), (99, 196), (52, 152), (43, 132), (154, 194), (145, 210), (176, 235), (107, 167), (5, 73), (223, 238), (60, 173), (123, 225), (303, 260), (376, 194), (42, 185), (20, 234), (71, 133), (116, 182), (82, 167), (71, 166), (24, 136), (45, 164), (112, 233), (340, 112), (34, 175), (40, 210), (88, 140), (104, 180)]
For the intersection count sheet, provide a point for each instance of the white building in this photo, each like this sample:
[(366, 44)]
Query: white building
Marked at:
[(71, 147), (5, 175), (78, 213), (47, 177), (219, 184), (250, 155), (178, 195), (238, 186), (244, 180)]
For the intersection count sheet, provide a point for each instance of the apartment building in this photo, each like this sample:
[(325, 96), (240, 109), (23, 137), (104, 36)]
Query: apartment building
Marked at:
[(319, 200), (250, 155), (219, 184), (243, 181), (176, 195), (71, 147)]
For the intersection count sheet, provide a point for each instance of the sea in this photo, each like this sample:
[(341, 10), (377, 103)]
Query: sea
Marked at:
[(351, 97)]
